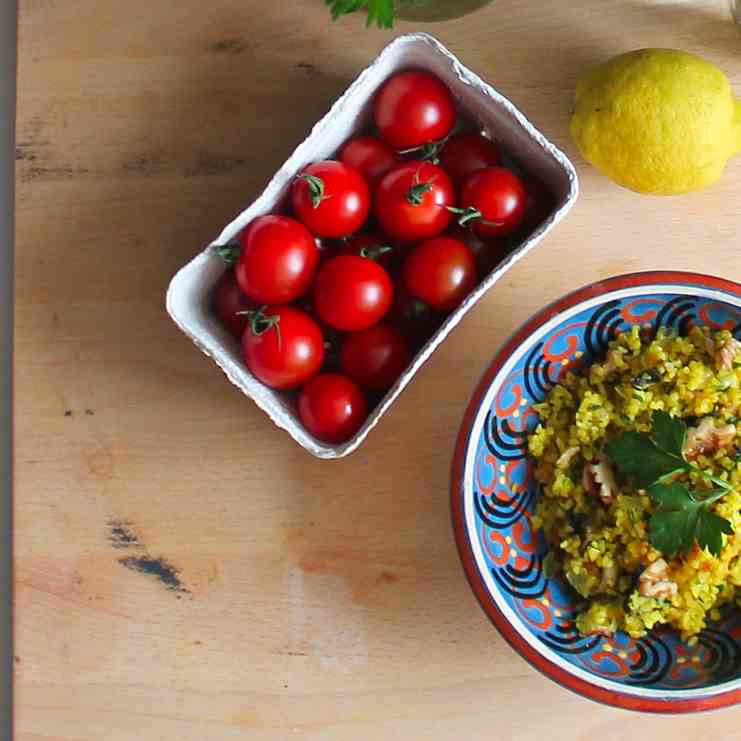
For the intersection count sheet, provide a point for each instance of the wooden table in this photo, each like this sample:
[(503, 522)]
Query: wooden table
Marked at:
[(278, 596)]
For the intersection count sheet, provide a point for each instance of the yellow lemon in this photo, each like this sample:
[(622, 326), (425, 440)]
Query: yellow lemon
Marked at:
[(657, 121)]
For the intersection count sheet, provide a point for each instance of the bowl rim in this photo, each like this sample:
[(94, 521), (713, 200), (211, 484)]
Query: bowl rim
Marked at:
[(590, 690)]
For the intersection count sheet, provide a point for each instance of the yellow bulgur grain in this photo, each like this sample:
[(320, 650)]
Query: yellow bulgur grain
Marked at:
[(603, 548)]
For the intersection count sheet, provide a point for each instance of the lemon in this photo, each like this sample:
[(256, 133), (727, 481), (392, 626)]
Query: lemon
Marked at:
[(657, 121)]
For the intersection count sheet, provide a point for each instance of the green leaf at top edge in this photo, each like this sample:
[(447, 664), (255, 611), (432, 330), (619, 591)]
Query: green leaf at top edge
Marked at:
[(382, 12), (668, 432)]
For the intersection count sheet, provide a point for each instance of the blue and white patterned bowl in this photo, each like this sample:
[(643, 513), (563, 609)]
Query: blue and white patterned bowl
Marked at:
[(493, 494)]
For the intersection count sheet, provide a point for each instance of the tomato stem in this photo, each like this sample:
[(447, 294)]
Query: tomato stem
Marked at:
[(416, 194), (471, 213), (260, 322), (316, 189), (228, 252), (374, 251), (427, 152)]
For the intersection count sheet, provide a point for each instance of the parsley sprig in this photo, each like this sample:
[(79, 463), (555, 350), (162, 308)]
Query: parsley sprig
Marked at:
[(379, 11), (651, 461)]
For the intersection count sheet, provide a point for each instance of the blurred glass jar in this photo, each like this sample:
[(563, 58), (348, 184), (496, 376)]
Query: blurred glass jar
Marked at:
[(438, 10)]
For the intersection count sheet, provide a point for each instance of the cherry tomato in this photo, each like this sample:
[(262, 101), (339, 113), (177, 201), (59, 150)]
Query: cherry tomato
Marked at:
[(414, 319), (278, 260), (332, 407), (464, 154), (331, 198), (441, 272), (352, 293), (375, 357), (229, 301), (539, 203), (370, 156), (412, 201), (488, 253), (283, 346), (413, 108), (493, 202), (373, 246)]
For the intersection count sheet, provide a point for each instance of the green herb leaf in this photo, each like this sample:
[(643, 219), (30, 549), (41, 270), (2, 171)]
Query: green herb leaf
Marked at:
[(673, 532), (708, 530), (683, 518), (379, 11), (669, 496), (635, 454), (668, 433)]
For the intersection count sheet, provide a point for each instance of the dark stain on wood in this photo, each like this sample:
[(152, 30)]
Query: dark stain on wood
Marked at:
[(31, 145), (67, 412), (90, 412), (228, 46), (23, 155), (214, 165), (144, 164), (205, 164), (160, 569), (122, 535), (33, 152), (51, 172), (387, 577), (309, 69)]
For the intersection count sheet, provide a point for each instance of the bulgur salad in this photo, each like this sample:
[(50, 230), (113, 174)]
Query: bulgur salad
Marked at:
[(640, 474)]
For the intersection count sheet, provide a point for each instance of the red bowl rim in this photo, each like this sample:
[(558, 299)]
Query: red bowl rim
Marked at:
[(510, 634)]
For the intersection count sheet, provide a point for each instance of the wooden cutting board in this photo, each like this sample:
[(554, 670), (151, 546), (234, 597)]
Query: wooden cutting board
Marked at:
[(183, 569)]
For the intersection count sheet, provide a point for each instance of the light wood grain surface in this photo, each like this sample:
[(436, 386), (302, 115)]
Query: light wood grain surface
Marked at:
[(320, 601)]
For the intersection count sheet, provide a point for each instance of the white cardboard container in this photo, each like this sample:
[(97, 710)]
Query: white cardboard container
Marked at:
[(189, 293)]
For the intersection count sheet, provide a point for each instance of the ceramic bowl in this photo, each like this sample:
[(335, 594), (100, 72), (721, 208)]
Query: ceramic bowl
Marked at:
[(494, 493)]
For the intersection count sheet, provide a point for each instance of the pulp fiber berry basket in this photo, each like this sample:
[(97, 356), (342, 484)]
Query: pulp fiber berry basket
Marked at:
[(189, 293)]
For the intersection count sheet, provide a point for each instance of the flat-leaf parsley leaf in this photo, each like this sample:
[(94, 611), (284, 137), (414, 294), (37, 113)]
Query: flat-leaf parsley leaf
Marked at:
[(379, 11), (682, 516)]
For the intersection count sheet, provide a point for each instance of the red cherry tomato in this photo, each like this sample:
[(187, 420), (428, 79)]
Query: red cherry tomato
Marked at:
[(283, 346), (370, 156), (373, 246), (464, 154), (412, 201), (331, 198), (488, 253), (440, 272), (539, 203), (229, 301), (413, 108), (332, 407), (414, 319), (278, 260), (494, 202), (352, 293), (375, 357)]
